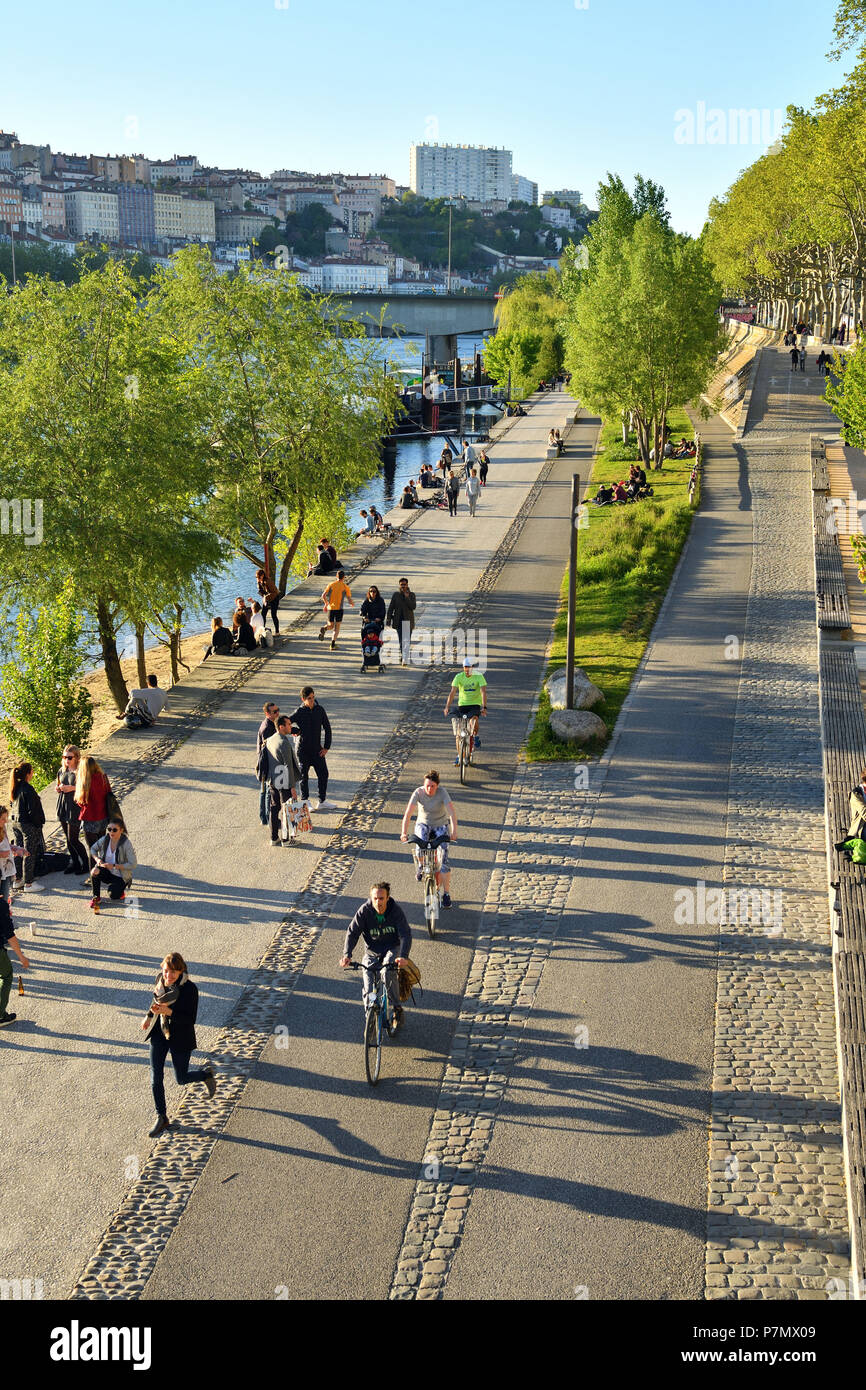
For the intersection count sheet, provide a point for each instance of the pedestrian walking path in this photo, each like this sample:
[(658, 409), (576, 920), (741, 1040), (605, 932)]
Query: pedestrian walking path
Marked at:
[(74, 1080)]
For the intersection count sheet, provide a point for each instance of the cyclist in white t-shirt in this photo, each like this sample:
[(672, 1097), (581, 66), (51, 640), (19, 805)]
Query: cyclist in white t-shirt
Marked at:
[(436, 814)]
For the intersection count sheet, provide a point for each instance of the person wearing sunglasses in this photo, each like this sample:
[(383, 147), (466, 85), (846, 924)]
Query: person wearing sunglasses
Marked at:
[(67, 811), (113, 862)]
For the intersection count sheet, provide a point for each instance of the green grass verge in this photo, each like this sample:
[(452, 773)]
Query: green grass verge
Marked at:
[(625, 559)]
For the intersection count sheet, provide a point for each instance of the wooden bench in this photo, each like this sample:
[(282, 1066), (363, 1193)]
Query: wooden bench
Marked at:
[(830, 594), (843, 731), (820, 471)]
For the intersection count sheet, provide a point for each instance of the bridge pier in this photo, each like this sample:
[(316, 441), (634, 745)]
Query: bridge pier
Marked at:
[(440, 347)]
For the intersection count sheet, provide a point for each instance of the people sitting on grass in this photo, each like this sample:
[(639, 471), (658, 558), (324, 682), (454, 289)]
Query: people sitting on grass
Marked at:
[(604, 496)]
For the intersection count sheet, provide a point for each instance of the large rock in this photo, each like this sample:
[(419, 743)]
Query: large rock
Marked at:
[(585, 693), (578, 724)]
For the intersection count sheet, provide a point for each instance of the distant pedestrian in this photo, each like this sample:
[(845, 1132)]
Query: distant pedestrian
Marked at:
[(266, 729), (170, 1026), (335, 597), (802, 359), (284, 774), (8, 940), (821, 362), (28, 817), (468, 454), (113, 863), (401, 615), (483, 466), (795, 358), (221, 640), (452, 492), (270, 596), (311, 724), (473, 487), (68, 812)]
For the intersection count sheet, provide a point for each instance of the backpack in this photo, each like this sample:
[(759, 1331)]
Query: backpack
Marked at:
[(409, 979), (853, 849)]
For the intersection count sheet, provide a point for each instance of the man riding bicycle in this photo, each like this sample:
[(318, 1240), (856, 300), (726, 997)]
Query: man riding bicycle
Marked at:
[(471, 690), (383, 925), (435, 814)]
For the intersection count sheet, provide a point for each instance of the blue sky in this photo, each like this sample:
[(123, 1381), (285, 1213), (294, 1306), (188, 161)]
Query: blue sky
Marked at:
[(338, 85)]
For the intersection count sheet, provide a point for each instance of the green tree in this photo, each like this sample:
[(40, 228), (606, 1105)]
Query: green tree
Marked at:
[(848, 398), (98, 416), (45, 704), (510, 359), (641, 321), (293, 411)]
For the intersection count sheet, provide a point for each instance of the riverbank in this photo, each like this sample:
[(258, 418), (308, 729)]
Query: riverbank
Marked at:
[(104, 708)]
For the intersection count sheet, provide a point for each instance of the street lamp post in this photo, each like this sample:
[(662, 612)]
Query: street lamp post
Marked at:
[(572, 591)]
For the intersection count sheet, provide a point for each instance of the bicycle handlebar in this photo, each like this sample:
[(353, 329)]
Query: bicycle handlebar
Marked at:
[(439, 840)]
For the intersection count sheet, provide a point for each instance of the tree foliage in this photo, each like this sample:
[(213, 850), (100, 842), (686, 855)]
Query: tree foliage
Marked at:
[(291, 410), (45, 705), (641, 321)]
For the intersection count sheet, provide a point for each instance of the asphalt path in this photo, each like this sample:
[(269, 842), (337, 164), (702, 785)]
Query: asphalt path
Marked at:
[(322, 1168), (596, 1173)]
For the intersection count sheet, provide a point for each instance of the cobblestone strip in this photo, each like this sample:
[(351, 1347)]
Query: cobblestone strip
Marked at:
[(522, 914), (138, 1231), (777, 1222)]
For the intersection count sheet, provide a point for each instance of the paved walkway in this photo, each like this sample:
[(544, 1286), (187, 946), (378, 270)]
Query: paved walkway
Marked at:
[(209, 885), (541, 1128)]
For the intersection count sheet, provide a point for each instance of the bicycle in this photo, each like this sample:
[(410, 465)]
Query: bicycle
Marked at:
[(466, 731), (431, 854), (380, 1020)]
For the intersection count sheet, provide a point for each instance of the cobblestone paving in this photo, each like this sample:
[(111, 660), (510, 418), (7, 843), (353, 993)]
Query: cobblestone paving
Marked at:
[(522, 914), (139, 1229), (777, 1224)]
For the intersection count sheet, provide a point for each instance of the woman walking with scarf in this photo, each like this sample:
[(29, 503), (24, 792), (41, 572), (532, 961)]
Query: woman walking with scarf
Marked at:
[(170, 1025)]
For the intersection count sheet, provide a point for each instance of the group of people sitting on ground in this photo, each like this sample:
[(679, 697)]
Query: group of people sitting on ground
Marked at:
[(623, 491), (554, 441), (686, 449), (374, 523), (514, 410), (326, 561), (247, 631)]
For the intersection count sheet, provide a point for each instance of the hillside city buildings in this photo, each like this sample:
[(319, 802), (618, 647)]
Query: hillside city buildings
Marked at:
[(128, 201)]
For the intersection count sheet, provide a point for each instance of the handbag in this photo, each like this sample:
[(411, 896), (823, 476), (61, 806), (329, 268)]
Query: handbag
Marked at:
[(112, 806)]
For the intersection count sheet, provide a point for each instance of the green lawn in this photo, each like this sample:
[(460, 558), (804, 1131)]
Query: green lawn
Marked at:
[(625, 561)]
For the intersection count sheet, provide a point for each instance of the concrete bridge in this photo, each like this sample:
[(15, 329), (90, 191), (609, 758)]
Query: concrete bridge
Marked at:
[(438, 317)]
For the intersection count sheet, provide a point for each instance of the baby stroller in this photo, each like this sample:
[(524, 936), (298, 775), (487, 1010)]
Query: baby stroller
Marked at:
[(371, 647)]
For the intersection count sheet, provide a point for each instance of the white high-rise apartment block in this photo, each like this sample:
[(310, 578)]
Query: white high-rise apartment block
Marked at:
[(460, 171), (523, 190)]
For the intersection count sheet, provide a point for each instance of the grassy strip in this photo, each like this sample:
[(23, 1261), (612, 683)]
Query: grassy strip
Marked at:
[(625, 560)]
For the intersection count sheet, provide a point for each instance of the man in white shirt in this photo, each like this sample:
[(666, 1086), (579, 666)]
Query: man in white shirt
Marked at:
[(468, 455), (257, 623), (153, 697)]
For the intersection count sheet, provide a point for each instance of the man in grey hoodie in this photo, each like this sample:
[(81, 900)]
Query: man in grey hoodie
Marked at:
[(284, 774)]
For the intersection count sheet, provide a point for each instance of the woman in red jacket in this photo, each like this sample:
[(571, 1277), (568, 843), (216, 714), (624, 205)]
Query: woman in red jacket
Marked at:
[(91, 792)]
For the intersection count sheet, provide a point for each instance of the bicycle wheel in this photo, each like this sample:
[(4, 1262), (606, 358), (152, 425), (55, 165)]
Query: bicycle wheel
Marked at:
[(463, 756), (431, 906), (373, 1045)]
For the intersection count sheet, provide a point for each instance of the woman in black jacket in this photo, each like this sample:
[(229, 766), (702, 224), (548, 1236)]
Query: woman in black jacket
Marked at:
[(373, 608), (245, 641), (28, 818), (170, 1025)]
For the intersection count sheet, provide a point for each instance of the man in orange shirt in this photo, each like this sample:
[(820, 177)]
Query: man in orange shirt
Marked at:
[(334, 597)]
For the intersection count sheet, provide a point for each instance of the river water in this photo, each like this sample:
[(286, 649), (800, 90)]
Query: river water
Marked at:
[(401, 460)]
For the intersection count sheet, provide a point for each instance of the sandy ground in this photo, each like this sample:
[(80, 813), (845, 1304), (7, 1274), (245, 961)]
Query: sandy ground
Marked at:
[(104, 709)]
